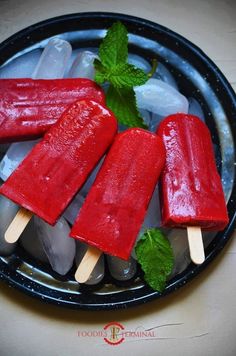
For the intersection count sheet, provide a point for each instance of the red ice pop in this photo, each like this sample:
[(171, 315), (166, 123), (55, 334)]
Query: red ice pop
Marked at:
[(192, 193), (57, 167), (28, 107), (191, 186), (115, 207)]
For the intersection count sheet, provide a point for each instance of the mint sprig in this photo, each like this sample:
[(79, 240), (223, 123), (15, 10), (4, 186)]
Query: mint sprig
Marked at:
[(120, 101), (123, 75), (112, 67), (114, 48), (155, 255)]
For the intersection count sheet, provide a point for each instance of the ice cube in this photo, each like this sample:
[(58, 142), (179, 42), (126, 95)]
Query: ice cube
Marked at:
[(155, 122), (195, 109), (22, 66), (83, 66), (53, 61), (14, 156), (72, 210), (8, 211), (165, 75), (121, 270), (58, 246), (160, 98), (139, 62), (152, 217), (98, 271), (146, 116), (179, 242), (31, 243), (75, 54)]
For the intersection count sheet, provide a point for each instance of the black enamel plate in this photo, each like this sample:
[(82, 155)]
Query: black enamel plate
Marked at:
[(198, 77)]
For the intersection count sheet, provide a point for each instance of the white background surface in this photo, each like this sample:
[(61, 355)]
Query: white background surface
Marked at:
[(205, 309)]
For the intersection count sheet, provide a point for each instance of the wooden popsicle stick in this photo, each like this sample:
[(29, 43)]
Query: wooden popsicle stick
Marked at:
[(195, 242), (18, 225), (87, 264)]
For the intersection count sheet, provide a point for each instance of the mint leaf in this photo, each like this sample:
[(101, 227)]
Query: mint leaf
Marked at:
[(123, 104), (126, 75), (114, 47), (100, 72), (123, 75), (155, 255), (112, 67)]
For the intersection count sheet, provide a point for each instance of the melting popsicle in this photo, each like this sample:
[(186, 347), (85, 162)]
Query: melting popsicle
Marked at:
[(192, 194), (56, 168), (115, 206), (29, 107)]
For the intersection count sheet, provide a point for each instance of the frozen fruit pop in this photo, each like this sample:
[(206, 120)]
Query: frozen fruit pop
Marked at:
[(192, 193), (115, 206), (29, 107), (52, 60), (49, 177)]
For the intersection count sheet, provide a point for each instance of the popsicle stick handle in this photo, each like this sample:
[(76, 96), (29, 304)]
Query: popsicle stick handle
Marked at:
[(87, 264), (195, 242), (18, 225)]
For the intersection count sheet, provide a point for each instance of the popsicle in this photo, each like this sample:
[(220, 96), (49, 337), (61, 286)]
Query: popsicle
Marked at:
[(56, 168), (192, 194), (115, 206), (51, 63), (28, 107)]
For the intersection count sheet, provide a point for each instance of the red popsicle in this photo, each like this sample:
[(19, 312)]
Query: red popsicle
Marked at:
[(28, 107), (115, 207), (192, 193), (57, 167)]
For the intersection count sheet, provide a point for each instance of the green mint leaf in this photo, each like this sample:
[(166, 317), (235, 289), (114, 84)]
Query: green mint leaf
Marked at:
[(114, 48), (112, 67), (155, 255), (126, 75), (123, 75), (100, 72), (123, 104)]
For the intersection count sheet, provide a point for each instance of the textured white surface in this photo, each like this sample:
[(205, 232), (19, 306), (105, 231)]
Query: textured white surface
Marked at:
[(206, 307)]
